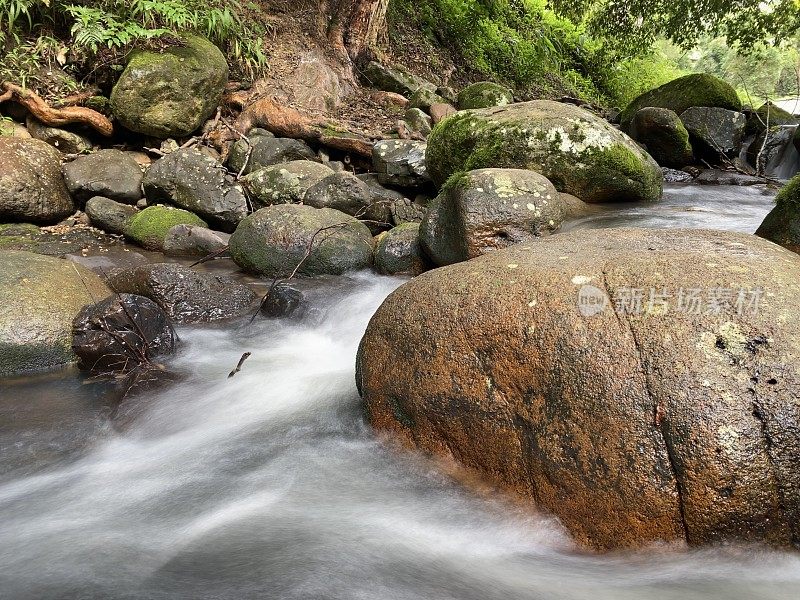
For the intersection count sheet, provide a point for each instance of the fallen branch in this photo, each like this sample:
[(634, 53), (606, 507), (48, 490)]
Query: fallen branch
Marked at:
[(56, 117), (238, 368)]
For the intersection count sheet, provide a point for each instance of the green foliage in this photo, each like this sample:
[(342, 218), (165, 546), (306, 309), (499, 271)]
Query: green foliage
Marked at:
[(94, 26)]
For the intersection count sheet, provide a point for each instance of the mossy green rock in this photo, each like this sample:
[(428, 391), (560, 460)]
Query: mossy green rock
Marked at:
[(782, 224), (580, 153), (39, 298), (170, 93), (697, 89), (149, 227), (484, 94), (398, 251), (661, 131), (767, 113), (424, 98), (275, 240)]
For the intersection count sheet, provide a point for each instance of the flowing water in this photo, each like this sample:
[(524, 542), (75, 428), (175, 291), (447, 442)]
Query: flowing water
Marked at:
[(270, 485)]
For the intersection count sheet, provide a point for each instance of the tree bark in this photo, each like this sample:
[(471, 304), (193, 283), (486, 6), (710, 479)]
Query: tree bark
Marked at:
[(354, 26)]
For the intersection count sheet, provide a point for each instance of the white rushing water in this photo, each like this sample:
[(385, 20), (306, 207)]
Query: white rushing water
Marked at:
[(271, 485)]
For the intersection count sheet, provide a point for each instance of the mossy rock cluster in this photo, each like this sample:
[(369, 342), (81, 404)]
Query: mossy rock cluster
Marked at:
[(170, 93), (697, 89), (580, 153), (768, 113), (149, 227)]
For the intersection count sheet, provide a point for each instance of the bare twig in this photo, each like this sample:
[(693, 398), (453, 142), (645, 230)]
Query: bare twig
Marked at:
[(238, 368)]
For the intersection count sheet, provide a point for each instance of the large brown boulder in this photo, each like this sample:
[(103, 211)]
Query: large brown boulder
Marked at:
[(631, 424), (32, 187)]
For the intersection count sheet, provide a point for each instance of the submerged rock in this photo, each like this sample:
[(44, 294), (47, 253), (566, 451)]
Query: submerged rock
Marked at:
[(39, 298), (481, 211), (282, 300), (278, 239), (579, 152), (551, 369), (664, 136), (31, 184), (697, 89), (484, 94), (121, 333), (170, 93), (194, 181), (186, 296), (108, 173)]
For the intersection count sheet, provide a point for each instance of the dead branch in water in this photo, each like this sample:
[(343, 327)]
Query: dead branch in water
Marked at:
[(56, 117), (238, 368)]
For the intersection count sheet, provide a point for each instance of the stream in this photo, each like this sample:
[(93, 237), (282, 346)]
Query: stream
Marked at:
[(271, 485)]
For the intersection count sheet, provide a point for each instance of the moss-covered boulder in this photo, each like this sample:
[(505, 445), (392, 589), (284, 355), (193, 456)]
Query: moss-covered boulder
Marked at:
[(782, 224), (484, 94), (275, 240), (580, 153), (170, 93), (398, 251), (285, 183), (39, 298), (578, 373), (395, 79), (767, 113), (149, 227), (32, 187), (697, 89), (424, 98), (488, 209), (661, 131)]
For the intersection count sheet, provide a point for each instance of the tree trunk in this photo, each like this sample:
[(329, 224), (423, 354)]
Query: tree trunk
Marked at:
[(353, 27)]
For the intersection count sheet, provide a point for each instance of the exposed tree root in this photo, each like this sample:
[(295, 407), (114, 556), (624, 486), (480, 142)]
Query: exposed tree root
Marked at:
[(56, 117)]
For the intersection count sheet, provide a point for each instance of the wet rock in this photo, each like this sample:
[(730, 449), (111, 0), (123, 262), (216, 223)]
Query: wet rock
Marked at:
[(549, 138), (770, 150), (398, 252), (67, 142), (109, 215), (393, 79), (782, 224), (675, 176), (697, 89), (187, 296), (488, 209), (121, 333), (149, 227), (170, 93), (267, 151), (400, 162), (193, 181), (533, 366), (484, 94), (31, 184), (39, 298), (418, 121), (714, 131), (284, 183), (275, 240), (191, 240), (282, 300), (109, 173), (717, 177), (662, 133)]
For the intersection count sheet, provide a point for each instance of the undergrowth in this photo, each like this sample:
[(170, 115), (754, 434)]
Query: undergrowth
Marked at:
[(37, 36)]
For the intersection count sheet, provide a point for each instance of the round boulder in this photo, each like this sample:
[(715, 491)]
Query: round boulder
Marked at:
[(121, 333), (39, 298), (661, 131), (641, 384), (484, 94), (578, 151), (266, 150), (398, 252), (31, 184), (192, 240), (109, 173), (170, 93), (481, 211), (285, 183), (109, 215), (782, 224), (278, 239), (149, 227)]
